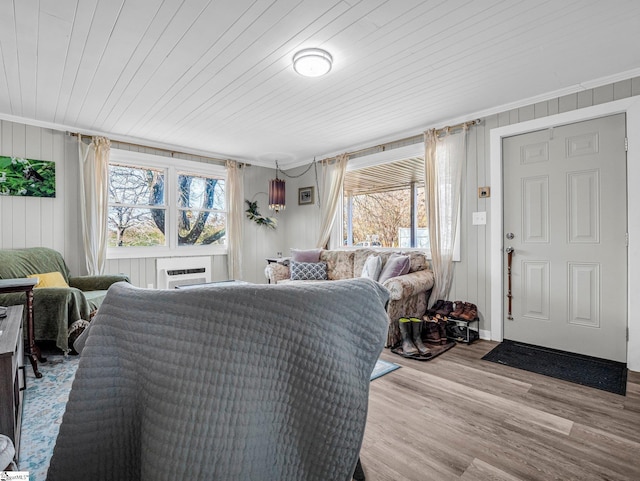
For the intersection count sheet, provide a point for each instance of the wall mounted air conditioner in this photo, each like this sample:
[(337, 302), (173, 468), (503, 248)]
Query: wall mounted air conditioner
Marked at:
[(182, 271)]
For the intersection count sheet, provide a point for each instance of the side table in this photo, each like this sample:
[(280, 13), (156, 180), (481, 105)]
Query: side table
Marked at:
[(26, 285), (278, 260)]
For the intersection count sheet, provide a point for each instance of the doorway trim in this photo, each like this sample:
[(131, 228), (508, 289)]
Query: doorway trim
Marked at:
[(631, 107)]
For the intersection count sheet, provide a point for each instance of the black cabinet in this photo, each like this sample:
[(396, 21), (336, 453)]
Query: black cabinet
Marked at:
[(12, 375)]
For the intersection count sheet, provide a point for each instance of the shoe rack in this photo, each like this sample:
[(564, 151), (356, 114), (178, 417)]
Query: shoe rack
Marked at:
[(462, 313), (467, 324)]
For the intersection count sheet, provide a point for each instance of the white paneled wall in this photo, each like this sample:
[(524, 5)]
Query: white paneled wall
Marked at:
[(54, 222), (472, 277), (142, 271), (36, 221), (303, 221), (260, 242)]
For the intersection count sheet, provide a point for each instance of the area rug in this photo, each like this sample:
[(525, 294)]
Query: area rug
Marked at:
[(589, 371), (44, 404), (383, 367)]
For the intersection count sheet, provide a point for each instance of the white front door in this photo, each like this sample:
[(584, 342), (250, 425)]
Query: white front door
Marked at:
[(565, 217)]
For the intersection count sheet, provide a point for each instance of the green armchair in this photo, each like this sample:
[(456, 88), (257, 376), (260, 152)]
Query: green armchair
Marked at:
[(54, 308)]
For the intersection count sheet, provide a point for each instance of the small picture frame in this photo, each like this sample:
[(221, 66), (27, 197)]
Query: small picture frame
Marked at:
[(305, 195)]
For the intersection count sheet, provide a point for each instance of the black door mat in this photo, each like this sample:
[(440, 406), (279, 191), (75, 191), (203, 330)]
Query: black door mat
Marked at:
[(589, 371)]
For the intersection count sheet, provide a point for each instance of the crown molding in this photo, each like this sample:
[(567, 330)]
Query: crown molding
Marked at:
[(119, 138)]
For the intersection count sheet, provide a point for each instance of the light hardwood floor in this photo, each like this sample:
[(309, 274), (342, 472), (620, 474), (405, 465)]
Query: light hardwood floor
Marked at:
[(458, 417)]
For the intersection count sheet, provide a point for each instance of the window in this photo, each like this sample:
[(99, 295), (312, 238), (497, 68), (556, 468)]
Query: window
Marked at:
[(384, 205), (136, 206), (201, 218), (158, 208)]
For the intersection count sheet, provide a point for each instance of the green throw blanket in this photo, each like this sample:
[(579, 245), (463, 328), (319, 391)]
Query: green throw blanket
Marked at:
[(54, 309)]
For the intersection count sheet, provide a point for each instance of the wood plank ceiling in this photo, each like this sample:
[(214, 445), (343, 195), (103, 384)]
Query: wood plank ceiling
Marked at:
[(215, 76)]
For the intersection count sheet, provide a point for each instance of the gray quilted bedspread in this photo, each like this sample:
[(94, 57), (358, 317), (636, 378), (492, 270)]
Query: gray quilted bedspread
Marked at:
[(239, 382)]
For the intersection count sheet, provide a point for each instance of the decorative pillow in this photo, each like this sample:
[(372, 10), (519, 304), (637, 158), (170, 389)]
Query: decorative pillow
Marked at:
[(372, 267), (308, 271), (339, 264), (396, 265), (50, 279), (308, 255)]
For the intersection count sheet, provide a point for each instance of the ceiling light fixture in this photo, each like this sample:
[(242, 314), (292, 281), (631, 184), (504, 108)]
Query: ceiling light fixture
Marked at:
[(312, 62)]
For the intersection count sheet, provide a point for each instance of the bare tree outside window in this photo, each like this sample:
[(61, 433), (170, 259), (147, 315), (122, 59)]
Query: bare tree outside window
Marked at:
[(200, 200), (382, 219), (138, 208)]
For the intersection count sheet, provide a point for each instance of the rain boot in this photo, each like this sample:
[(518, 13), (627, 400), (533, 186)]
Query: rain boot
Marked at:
[(416, 327)]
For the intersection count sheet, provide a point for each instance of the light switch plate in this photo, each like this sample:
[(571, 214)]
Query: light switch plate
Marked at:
[(479, 218)]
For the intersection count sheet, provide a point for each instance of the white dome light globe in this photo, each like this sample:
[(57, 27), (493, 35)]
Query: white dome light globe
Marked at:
[(312, 62)]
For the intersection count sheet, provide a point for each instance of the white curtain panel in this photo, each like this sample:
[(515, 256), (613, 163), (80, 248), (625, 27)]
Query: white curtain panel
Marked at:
[(331, 196), (94, 201), (445, 157), (234, 192)]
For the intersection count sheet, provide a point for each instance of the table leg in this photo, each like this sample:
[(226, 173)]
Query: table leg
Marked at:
[(34, 351)]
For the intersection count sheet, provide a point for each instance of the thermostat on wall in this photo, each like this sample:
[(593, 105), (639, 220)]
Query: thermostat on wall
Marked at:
[(484, 192)]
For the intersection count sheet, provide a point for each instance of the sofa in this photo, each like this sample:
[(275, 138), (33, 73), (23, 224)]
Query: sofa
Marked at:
[(54, 308), (408, 292)]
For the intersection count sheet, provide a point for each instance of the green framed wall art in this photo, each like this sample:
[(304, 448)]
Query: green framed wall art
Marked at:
[(27, 177)]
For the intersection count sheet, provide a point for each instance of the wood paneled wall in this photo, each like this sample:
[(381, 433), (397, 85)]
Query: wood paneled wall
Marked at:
[(260, 242), (142, 271), (54, 223), (472, 274), (37, 221)]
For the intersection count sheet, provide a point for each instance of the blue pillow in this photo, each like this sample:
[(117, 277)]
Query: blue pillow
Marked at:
[(308, 271)]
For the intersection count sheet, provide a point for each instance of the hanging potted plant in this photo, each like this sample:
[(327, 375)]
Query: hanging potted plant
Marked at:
[(257, 217)]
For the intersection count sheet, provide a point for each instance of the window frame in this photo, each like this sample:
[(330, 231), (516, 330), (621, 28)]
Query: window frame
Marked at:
[(172, 167)]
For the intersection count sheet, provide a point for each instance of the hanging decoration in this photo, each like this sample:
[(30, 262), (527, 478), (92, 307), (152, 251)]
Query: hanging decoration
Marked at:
[(277, 193), (277, 188), (257, 217)]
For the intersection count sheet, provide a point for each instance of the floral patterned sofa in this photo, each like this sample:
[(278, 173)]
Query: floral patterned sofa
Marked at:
[(408, 292)]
